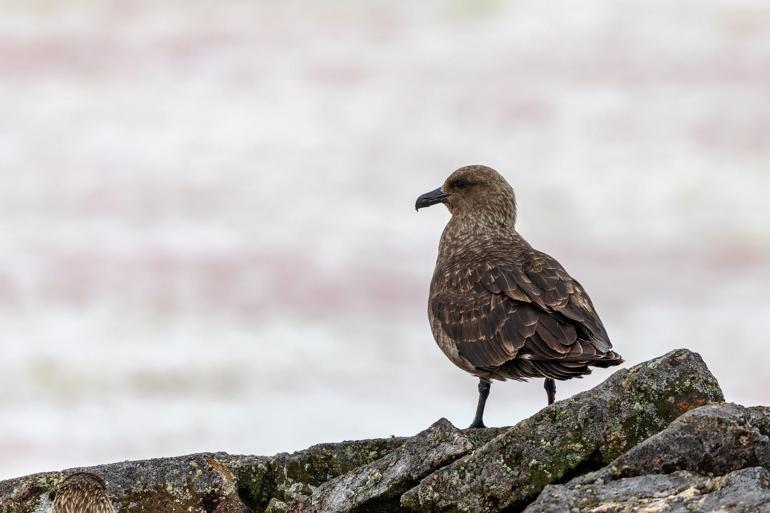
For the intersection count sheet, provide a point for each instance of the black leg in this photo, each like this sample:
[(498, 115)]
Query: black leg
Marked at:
[(550, 389), (484, 386)]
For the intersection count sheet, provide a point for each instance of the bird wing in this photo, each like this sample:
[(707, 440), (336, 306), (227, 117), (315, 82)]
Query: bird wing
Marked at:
[(487, 329), (494, 308), (540, 280)]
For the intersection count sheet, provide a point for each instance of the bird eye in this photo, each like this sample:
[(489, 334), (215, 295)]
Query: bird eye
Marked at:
[(460, 184)]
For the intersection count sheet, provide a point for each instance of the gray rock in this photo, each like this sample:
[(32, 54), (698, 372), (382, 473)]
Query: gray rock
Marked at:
[(297, 493), (323, 462), (371, 486), (219, 483), (760, 418), (284, 477), (444, 469), (214, 483), (714, 439), (741, 491), (570, 437), (273, 483), (198, 483), (482, 436)]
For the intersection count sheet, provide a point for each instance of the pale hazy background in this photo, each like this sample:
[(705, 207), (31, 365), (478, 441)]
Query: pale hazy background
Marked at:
[(207, 232)]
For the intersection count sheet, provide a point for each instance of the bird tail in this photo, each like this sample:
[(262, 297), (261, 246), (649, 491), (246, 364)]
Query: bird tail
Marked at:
[(608, 359)]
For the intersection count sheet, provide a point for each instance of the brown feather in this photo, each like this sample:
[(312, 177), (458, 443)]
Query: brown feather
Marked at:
[(82, 493), (501, 309)]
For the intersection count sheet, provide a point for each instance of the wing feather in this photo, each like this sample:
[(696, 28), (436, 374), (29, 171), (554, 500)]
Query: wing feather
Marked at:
[(524, 314)]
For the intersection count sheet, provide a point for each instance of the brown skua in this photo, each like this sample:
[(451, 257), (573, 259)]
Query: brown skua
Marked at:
[(498, 308)]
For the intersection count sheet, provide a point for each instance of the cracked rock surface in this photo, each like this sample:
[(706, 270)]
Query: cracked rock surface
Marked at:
[(713, 439), (671, 470), (201, 482), (741, 491)]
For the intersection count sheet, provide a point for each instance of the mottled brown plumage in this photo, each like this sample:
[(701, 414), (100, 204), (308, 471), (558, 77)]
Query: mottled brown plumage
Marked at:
[(82, 493), (498, 308)]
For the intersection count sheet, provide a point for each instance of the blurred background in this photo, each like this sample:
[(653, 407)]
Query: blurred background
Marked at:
[(207, 232)]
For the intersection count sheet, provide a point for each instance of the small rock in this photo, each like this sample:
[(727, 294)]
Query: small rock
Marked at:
[(276, 506)]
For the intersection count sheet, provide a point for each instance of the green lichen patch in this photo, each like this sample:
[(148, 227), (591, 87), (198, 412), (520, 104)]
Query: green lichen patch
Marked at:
[(28, 495), (256, 484), (323, 462)]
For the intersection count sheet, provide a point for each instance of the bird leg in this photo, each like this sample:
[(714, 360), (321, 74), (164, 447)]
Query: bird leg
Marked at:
[(484, 386), (550, 389)]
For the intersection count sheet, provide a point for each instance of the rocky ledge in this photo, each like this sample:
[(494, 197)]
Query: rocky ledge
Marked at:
[(656, 437)]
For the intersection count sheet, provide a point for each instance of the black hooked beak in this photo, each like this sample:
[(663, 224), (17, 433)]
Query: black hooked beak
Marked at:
[(431, 198)]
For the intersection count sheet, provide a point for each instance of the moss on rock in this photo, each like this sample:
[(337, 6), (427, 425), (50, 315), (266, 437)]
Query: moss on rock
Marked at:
[(591, 428)]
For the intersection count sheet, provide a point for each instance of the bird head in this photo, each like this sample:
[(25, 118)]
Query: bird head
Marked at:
[(474, 191), (83, 479)]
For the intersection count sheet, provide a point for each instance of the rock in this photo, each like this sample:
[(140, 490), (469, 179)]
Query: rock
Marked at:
[(252, 481), (483, 436), (214, 483), (760, 418), (714, 439), (197, 483), (741, 491), (268, 484), (281, 478), (297, 493), (323, 462), (622, 430), (570, 437), (386, 479), (276, 506)]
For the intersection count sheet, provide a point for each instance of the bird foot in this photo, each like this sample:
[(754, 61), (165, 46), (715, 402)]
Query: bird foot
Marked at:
[(550, 389)]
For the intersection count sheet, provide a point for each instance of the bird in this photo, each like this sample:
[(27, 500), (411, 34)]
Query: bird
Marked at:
[(498, 308), (82, 492)]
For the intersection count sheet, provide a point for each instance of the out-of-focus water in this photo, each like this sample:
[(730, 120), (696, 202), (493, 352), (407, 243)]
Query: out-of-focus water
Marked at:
[(207, 234)]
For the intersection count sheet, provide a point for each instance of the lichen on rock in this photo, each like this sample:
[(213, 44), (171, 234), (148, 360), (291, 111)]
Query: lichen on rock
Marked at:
[(712, 439), (387, 478), (742, 491), (571, 436), (174, 485)]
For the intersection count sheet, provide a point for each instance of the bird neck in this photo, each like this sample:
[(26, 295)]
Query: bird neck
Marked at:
[(486, 222), (474, 234)]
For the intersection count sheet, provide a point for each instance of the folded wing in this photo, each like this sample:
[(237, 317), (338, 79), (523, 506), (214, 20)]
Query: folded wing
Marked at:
[(524, 319)]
